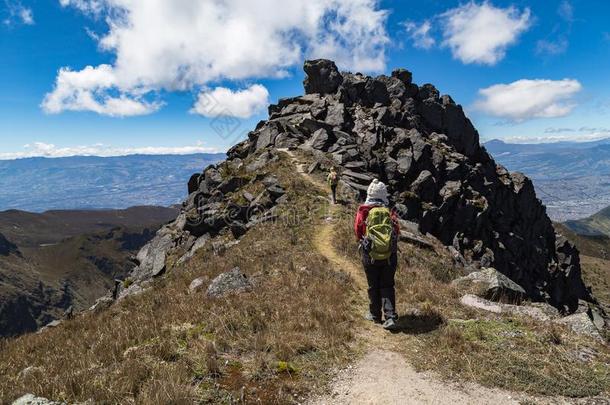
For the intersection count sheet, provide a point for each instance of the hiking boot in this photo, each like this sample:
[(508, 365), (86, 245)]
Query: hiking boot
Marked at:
[(372, 318), (390, 324)]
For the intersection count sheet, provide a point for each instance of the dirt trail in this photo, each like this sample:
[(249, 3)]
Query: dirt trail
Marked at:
[(383, 376)]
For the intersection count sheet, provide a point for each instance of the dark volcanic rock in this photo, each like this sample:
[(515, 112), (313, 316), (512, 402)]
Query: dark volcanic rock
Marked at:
[(323, 77), (423, 146)]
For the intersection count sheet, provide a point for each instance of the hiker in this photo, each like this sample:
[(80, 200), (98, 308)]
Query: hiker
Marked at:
[(377, 229), (333, 180)]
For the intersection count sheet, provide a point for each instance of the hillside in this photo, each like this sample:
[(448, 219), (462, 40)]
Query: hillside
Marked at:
[(571, 178), (595, 262), (90, 182), (60, 259), (255, 293), (597, 224)]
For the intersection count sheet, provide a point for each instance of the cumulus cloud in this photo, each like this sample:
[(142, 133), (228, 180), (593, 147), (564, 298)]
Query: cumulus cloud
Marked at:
[(225, 102), (17, 13), (481, 33), (527, 99), (41, 149), (88, 90), (161, 46), (420, 34)]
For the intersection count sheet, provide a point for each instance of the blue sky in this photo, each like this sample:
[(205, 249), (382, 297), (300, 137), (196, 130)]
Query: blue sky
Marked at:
[(110, 77)]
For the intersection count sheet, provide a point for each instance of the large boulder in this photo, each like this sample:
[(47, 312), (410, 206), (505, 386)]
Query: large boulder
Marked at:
[(581, 323), (538, 311), (233, 281), (490, 284), (152, 257), (323, 77)]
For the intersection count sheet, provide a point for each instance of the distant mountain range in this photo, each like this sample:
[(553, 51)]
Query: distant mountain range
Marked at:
[(571, 178), (88, 182)]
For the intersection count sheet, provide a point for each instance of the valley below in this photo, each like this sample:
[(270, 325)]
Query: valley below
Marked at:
[(571, 178), (55, 260), (91, 182)]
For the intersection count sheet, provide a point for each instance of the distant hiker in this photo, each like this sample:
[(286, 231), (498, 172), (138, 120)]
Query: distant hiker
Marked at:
[(377, 228), (333, 180)]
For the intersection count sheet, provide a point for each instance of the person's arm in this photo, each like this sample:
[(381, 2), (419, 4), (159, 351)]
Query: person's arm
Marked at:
[(395, 222)]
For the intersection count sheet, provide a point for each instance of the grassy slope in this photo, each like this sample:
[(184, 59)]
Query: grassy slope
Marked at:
[(279, 342), (596, 224), (167, 344)]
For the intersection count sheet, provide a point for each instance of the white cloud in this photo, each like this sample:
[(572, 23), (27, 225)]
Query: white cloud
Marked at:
[(576, 137), (481, 33), (527, 99), (88, 90), (552, 47), (160, 45), (226, 102), (41, 149), (88, 6), (420, 34), (17, 13)]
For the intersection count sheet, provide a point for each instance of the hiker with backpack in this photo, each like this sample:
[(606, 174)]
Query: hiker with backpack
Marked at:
[(377, 230), (333, 180)]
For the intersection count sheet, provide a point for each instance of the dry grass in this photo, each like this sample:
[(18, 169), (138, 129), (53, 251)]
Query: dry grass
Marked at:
[(460, 343), (516, 354), (272, 345), (278, 343)]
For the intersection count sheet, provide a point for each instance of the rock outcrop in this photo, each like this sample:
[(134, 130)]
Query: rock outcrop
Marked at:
[(490, 284), (417, 141), (7, 247), (233, 281)]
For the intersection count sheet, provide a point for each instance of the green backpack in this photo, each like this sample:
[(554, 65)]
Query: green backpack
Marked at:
[(380, 232)]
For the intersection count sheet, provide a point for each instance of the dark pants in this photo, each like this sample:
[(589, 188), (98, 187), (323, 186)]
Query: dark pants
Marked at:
[(333, 188), (380, 277)]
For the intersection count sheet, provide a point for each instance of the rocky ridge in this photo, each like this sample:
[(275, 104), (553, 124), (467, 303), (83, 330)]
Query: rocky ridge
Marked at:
[(413, 138)]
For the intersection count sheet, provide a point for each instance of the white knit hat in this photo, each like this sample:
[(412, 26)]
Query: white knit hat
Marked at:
[(377, 192)]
